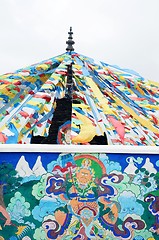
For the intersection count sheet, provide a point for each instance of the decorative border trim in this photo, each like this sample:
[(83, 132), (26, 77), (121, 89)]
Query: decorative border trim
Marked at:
[(79, 148)]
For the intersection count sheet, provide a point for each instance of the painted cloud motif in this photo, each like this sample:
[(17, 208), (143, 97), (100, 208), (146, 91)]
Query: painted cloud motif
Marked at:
[(129, 205), (45, 207)]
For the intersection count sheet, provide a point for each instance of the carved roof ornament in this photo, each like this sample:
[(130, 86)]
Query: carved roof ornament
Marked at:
[(70, 41)]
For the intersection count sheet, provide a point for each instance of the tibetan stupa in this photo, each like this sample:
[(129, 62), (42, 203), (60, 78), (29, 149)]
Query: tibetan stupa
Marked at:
[(71, 99)]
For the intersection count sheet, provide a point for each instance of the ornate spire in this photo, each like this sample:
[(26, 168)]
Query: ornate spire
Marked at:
[(70, 41)]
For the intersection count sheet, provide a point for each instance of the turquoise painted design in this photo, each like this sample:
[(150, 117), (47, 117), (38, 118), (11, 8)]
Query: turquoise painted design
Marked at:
[(45, 196)]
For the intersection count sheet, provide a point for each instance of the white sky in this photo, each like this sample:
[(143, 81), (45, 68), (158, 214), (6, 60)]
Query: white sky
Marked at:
[(119, 32)]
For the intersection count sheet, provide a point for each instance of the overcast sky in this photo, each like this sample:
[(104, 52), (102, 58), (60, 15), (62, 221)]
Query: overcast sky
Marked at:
[(119, 32)]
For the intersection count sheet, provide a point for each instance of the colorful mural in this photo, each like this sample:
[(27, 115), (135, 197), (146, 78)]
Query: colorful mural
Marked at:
[(72, 196)]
